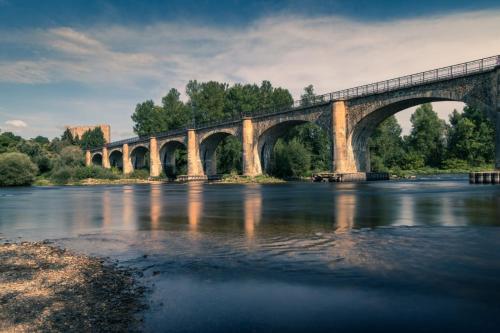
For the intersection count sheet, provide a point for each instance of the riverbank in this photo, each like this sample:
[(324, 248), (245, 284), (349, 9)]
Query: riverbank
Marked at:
[(49, 289)]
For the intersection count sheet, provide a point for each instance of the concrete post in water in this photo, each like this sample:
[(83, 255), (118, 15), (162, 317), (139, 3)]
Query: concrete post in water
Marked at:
[(251, 163), (88, 158), (127, 163), (154, 158), (495, 178), (478, 179), (486, 178), (105, 158), (343, 160), (195, 168), (471, 177), (497, 135)]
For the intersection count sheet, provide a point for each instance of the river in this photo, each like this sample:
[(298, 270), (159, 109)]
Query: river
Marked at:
[(388, 256)]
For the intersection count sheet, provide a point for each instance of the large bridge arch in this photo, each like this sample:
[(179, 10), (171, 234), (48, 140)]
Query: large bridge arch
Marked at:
[(208, 147), (116, 158), (168, 156), (139, 157), (269, 130), (366, 113), (97, 159)]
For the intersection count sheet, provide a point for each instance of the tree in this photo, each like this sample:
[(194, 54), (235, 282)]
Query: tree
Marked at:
[(207, 100), (67, 137), (8, 141), (290, 159), (42, 140), (175, 113), (16, 169), (427, 136), (92, 139), (307, 97), (386, 145), (471, 137), (148, 119)]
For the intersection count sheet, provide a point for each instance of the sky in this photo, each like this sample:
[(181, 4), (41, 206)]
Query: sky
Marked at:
[(90, 62)]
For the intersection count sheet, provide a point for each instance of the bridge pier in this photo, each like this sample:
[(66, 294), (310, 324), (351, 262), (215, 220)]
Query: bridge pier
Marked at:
[(343, 157), (88, 158), (105, 158), (497, 138), (127, 163), (154, 158), (195, 168), (251, 162)]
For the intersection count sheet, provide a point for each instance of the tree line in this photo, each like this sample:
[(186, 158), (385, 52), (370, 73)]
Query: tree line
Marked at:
[(58, 160), (468, 141)]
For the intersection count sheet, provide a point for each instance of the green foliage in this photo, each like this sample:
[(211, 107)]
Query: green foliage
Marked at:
[(41, 140), (139, 174), (92, 139), (93, 171), (386, 145), (62, 175), (229, 153), (16, 169), (72, 156), (175, 113), (148, 119), (307, 97), (471, 137), (290, 159), (427, 136), (68, 138), (8, 141)]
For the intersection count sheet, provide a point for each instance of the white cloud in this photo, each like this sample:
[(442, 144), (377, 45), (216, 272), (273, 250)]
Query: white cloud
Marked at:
[(332, 53), (16, 123)]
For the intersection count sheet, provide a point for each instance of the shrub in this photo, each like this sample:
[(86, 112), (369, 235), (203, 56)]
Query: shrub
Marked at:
[(94, 171), (72, 156), (291, 159), (139, 174), (62, 175), (16, 169)]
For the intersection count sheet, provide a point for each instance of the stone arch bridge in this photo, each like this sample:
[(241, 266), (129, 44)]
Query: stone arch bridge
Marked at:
[(348, 116)]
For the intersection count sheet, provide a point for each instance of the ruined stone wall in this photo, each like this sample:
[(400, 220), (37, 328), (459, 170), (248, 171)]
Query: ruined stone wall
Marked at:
[(79, 130)]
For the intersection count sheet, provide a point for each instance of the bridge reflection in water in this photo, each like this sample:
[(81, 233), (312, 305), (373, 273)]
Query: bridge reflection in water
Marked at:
[(260, 211)]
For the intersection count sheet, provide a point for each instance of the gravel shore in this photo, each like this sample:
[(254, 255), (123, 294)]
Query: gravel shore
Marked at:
[(44, 288)]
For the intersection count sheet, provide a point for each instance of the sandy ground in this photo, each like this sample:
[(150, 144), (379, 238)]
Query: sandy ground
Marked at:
[(47, 289)]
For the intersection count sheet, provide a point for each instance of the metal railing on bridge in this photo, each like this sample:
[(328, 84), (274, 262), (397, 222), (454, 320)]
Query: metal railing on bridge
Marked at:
[(434, 75)]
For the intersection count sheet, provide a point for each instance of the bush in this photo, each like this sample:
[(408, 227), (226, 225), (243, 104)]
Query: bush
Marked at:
[(62, 175), (456, 164), (16, 169), (94, 171), (291, 159), (72, 156), (139, 174)]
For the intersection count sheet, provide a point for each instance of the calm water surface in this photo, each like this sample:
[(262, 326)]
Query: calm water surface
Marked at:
[(402, 256)]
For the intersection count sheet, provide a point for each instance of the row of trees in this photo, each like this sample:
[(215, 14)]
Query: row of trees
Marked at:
[(207, 101), (60, 159), (467, 141)]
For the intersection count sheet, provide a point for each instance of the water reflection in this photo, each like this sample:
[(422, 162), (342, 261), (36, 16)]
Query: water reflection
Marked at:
[(128, 206), (155, 208), (345, 208), (194, 207), (253, 209), (106, 209)]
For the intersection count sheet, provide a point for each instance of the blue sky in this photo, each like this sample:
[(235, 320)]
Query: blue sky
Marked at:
[(89, 62)]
